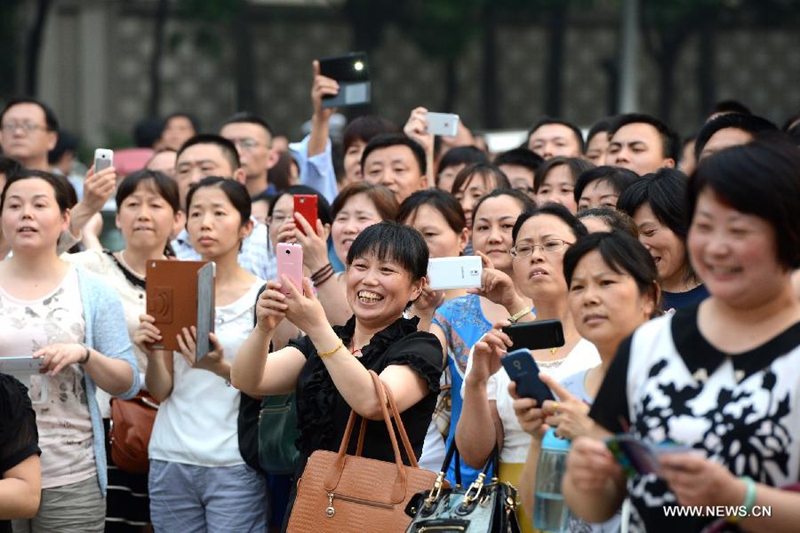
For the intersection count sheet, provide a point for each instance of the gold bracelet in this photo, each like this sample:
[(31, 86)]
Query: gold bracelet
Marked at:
[(516, 316), (323, 355)]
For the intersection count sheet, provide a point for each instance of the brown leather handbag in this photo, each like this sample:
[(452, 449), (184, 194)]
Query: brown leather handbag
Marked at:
[(131, 425), (341, 493)]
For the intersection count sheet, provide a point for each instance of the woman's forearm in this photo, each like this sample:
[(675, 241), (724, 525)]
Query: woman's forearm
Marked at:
[(476, 435), (783, 505), (115, 376), (20, 490), (159, 376), (247, 371), (527, 479), (594, 506)]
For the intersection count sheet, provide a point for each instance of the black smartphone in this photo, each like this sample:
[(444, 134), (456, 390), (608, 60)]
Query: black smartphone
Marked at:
[(352, 73), (524, 371), (536, 335)]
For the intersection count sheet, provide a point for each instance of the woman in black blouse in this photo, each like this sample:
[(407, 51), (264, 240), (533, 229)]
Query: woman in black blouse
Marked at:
[(328, 368), (20, 475), (720, 377)]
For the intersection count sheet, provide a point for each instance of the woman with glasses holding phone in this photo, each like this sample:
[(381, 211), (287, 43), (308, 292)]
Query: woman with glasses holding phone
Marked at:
[(540, 238)]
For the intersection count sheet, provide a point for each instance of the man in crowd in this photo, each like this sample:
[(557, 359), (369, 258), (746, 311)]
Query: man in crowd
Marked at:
[(729, 129), (212, 155), (252, 137), (641, 143), (520, 166), (397, 162), (178, 128), (552, 137)]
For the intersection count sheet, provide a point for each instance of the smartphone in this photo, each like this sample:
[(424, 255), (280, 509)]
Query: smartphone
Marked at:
[(443, 124), (536, 335), (524, 371), (306, 205), (21, 365), (638, 457), (290, 264), (352, 73), (455, 272), (103, 158)]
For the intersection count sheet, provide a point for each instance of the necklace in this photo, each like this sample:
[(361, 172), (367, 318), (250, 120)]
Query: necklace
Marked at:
[(353, 349), (126, 265)]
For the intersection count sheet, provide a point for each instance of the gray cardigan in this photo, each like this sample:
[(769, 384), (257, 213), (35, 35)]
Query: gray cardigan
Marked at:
[(107, 333)]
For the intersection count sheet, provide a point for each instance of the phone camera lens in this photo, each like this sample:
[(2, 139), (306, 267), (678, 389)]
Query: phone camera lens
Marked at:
[(288, 252)]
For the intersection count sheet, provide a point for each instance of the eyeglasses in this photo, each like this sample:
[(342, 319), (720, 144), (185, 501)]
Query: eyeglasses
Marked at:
[(246, 144), (27, 127), (279, 219), (550, 247)]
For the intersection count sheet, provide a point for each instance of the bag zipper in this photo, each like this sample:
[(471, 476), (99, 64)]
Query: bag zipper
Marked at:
[(273, 410), (423, 529), (330, 511)]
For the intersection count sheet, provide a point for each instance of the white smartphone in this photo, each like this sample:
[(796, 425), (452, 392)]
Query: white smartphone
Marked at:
[(103, 158), (455, 272), (445, 124), (21, 365)]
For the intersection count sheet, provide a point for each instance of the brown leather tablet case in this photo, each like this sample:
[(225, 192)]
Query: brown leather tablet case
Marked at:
[(180, 294)]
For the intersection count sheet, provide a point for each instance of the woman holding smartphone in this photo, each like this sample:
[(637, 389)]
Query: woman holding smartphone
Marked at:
[(198, 478), (73, 321), (721, 376), (358, 206), (148, 208), (612, 291), (328, 368), (540, 238)]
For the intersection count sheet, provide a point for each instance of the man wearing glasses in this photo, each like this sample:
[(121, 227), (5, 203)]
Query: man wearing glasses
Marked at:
[(253, 139), (29, 131)]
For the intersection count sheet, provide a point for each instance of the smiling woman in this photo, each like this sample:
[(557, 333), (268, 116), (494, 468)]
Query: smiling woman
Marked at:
[(328, 368)]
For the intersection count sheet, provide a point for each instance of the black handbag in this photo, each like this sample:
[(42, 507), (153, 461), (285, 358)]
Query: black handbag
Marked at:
[(277, 433), (484, 506)]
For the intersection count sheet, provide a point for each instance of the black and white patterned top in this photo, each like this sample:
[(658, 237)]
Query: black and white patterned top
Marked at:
[(669, 382)]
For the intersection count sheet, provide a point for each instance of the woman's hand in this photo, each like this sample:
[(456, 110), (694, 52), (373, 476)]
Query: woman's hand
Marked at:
[(59, 356), (488, 351), (286, 233), (213, 361), (696, 480), (270, 307), (529, 414), (590, 465), (498, 287), (146, 334), (322, 86), (314, 243), (417, 129), (303, 309), (570, 416), (428, 301)]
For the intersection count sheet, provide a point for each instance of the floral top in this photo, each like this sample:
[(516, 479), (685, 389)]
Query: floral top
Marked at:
[(322, 412)]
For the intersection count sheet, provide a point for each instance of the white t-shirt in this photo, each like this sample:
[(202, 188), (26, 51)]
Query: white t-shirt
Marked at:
[(197, 424), (516, 442)]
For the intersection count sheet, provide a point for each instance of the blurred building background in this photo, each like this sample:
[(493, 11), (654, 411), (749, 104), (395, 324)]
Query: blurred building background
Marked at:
[(106, 64)]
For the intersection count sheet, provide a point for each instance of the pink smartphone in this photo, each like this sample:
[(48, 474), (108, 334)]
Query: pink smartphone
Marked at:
[(290, 264)]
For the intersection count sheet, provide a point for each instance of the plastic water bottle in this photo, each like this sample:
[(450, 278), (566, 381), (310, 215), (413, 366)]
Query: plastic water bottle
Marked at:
[(550, 512)]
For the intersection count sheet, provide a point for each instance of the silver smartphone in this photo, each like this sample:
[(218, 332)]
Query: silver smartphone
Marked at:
[(445, 124), (103, 158), (455, 272)]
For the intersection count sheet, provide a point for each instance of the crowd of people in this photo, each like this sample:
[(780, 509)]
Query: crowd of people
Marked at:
[(673, 269)]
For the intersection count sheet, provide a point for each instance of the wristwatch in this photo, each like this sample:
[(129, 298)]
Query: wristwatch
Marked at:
[(85, 357)]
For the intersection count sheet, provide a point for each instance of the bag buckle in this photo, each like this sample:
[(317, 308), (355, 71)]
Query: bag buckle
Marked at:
[(477, 486), (436, 492)]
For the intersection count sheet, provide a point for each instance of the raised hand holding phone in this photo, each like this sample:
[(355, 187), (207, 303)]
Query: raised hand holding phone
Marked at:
[(290, 266), (523, 370)]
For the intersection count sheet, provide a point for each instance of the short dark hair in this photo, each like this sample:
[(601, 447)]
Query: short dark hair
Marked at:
[(63, 190), (235, 191), (323, 207), (147, 132), (181, 114), (759, 178), (544, 121), (623, 254), (248, 118), (522, 157), (616, 219), (390, 241), (383, 199), (486, 171), (601, 126), (525, 201), (50, 120), (619, 178), (751, 124), (670, 142), (8, 165), (162, 184), (730, 106), (576, 166), (225, 146), (557, 210), (365, 128), (67, 142), (460, 155), (385, 140), (444, 203)]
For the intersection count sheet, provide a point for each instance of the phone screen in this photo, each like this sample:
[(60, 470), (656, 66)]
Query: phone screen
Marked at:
[(536, 335)]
